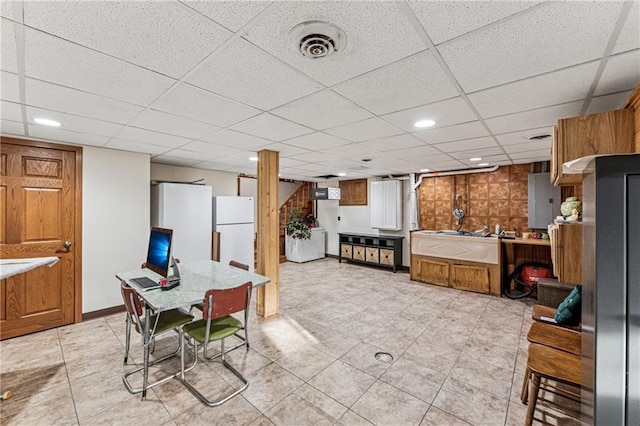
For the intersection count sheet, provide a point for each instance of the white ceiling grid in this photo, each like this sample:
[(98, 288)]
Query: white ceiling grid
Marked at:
[(209, 83)]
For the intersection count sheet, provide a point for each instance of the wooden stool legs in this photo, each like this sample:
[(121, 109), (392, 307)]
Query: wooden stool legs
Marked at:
[(531, 408)]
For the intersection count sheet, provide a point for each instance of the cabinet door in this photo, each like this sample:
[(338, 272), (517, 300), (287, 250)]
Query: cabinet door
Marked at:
[(358, 253), (386, 205), (353, 192), (433, 272), (470, 278), (346, 251), (386, 256), (570, 253), (377, 205)]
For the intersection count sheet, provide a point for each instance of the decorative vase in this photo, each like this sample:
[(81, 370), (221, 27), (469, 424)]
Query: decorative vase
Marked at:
[(566, 208)]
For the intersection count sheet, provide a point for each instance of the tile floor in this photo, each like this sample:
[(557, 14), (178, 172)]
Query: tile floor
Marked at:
[(458, 359)]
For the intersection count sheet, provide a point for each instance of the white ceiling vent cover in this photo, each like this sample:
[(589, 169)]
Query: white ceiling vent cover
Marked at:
[(317, 39)]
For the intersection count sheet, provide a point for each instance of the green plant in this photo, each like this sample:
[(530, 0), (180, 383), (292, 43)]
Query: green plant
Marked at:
[(297, 226)]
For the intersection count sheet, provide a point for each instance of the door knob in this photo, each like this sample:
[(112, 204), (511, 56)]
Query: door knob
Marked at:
[(66, 244)]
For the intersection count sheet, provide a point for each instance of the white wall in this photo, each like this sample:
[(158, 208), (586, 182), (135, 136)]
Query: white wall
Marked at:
[(357, 219), (115, 222), (222, 183)]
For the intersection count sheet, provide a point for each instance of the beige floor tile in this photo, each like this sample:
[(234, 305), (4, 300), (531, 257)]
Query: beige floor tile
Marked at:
[(414, 379), (436, 417), (58, 410), (26, 381), (262, 392), (306, 406), (362, 356), (484, 376), (432, 355), (132, 411), (383, 404), (26, 398), (342, 382), (352, 419), (305, 362), (262, 421), (471, 404)]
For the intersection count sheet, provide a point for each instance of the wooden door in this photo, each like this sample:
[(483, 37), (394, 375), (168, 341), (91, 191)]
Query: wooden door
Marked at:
[(470, 278), (40, 209)]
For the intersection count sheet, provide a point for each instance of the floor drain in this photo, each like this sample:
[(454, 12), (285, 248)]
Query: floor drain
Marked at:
[(384, 357)]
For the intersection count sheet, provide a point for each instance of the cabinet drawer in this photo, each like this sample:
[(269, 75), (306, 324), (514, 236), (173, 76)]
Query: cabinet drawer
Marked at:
[(373, 255), (470, 278), (386, 257), (346, 250), (358, 253), (434, 272)]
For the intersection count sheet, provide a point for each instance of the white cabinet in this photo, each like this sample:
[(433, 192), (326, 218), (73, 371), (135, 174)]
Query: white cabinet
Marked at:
[(386, 205)]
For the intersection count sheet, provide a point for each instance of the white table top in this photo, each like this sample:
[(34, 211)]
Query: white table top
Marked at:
[(11, 267), (196, 277)]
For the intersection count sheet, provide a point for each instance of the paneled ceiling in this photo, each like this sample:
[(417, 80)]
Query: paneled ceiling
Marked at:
[(207, 84)]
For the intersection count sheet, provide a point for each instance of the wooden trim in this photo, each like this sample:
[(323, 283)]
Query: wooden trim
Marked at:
[(78, 212), (103, 312)]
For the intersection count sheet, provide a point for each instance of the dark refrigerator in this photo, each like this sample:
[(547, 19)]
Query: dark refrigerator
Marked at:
[(611, 290)]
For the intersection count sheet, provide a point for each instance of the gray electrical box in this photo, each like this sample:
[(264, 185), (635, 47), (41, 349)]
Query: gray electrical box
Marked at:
[(544, 200)]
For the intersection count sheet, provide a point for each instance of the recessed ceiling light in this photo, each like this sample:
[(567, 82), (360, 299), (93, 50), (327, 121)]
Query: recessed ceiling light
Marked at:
[(424, 170), (475, 159), (342, 174), (483, 164), (253, 158), (47, 122), (424, 123)]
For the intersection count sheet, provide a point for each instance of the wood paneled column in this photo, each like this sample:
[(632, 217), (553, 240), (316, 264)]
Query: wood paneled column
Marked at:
[(268, 297)]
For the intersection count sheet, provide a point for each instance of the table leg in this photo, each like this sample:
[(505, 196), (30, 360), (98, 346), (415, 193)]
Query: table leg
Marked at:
[(146, 341)]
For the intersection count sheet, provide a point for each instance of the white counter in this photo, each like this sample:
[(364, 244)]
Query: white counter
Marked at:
[(460, 247)]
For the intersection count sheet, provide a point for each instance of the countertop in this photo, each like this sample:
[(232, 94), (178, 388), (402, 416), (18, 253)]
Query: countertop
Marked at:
[(528, 241)]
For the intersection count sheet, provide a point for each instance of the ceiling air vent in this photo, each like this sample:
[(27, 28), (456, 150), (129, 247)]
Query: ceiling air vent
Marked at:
[(539, 137), (317, 39)]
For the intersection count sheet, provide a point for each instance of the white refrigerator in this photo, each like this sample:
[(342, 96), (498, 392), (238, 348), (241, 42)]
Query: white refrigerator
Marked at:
[(233, 218), (186, 209)]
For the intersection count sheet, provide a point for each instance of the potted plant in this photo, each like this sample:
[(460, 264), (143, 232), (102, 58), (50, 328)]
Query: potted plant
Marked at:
[(299, 244)]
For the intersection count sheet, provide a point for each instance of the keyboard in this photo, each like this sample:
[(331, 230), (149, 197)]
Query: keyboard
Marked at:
[(146, 283)]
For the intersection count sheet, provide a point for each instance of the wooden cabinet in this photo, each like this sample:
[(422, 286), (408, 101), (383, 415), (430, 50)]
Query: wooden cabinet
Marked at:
[(386, 205), (353, 192), (566, 252), (604, 133), (371, 249), (458, 274)]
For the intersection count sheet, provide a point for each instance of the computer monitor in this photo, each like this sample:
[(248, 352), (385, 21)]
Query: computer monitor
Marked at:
[(159, 252)]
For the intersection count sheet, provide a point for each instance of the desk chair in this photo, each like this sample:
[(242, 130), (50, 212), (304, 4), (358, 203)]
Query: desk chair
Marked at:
[(162, 322), (217, 323)]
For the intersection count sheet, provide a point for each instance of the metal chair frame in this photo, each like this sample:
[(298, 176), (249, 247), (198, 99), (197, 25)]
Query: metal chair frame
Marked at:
[(135, 312), (209, 304)]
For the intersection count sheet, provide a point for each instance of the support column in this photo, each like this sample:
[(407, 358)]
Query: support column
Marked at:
[(268, 296)]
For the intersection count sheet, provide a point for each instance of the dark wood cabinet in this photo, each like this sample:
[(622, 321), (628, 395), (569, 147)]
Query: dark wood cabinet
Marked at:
[(353, 192)]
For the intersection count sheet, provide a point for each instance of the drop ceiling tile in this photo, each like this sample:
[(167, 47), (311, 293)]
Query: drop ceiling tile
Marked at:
[(285, 149), (393, 143), (432, 158), (8, 127), (483, 153), (317, 141), (314, 157), (75, 123), (569, 84), (154, 138), (608, 102), (212, 148), (557, 35), (540, 153), (444, 113), (61, 135), (521, 138), (289, 162), (144, 148), (492, 160), (418, 151), (535, 118), (322, 110), (247, 74), (529, 147), (230, 14), (63, 99), (187, 155), (54, 60), (629, 37), (444, 165), (621, 73), (472, 129), (271, 127), (467, 144), (197, 104), (214, 165), (363, 130), (152, 34), (236, 140), (413, 81), (10, 111), (377, 33), (446, 20), (173, 161), (6, 9), (159, 121), (354, 152), (9, 87), (8, 58)]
